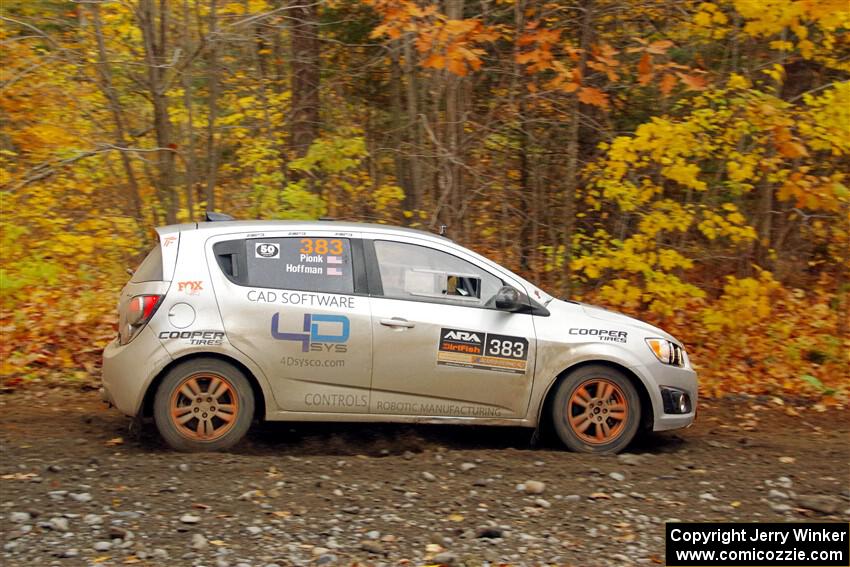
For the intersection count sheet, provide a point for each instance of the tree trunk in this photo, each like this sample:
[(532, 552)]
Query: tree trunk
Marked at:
[(304, 84), (454, 138), (573, 144), (155, 44), (416, 130), (188, 97), (764, 226), (402, 171), (213, 77), (107, 86)]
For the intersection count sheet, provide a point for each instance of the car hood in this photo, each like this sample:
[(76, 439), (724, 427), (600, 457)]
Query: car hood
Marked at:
[(570, 308)]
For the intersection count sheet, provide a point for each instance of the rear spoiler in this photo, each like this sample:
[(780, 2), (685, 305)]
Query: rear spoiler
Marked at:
[(212, 216)]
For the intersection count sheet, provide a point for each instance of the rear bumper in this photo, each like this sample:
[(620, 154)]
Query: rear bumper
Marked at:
[(128, 370)]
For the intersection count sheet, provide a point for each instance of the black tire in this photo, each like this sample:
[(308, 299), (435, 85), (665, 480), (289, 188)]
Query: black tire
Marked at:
[(587, 419), (211, 423)]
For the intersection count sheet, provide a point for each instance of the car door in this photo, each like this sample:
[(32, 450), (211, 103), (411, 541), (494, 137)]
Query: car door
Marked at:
[(290, 302), (438, 349)]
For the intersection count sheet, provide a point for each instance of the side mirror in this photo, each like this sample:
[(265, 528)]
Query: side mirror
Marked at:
[(507, 299)]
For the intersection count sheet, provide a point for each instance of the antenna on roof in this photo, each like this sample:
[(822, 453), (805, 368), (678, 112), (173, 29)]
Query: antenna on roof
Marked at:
[(212, 216), (443, 229)]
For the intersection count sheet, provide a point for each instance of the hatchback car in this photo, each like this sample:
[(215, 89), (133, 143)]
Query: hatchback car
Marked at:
[(226, 322)]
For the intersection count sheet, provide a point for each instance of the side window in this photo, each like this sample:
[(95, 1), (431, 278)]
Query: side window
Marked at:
[(409, 271), (316, 264)]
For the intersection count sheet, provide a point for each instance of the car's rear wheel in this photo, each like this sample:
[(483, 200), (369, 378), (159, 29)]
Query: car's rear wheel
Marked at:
[(596, 409), (203, 405)]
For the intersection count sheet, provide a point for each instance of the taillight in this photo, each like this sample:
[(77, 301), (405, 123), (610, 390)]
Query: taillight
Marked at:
[(141, 308), (139, 311)]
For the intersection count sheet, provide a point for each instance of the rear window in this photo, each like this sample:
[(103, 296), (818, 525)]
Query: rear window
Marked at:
[(150, 270), (315, 264)]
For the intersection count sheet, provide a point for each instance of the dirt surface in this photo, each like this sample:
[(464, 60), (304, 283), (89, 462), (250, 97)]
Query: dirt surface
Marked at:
[(79, 487)]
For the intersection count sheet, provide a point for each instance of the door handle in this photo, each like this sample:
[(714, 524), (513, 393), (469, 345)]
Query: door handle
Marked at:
[(397, 322)]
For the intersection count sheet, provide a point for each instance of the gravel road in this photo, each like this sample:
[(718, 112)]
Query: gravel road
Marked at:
[(80, 488)]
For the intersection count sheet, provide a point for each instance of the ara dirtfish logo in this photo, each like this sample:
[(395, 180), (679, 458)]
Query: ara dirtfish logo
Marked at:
[(463, 336), (458, 340), (321, 333)]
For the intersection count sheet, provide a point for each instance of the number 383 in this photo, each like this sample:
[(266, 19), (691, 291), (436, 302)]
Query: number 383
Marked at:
[(506, 348), (320, 246)]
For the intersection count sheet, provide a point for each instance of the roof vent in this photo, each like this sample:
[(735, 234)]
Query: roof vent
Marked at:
[(213, 216)]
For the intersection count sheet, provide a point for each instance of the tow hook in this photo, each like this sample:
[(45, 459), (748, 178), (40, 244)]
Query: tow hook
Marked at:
[(104, 397)]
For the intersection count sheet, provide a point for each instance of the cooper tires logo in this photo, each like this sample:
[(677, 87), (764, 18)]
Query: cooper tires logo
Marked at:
[(266, 250)]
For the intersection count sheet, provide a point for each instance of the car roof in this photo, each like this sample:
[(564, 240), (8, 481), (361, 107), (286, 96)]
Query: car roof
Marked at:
[(340, 226), (260, 225)]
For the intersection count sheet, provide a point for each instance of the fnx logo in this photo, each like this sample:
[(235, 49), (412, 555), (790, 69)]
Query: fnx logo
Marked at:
[(462, 336), (322, 333)]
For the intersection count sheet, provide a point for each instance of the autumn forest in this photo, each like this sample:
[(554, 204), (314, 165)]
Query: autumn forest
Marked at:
[(684, 161)]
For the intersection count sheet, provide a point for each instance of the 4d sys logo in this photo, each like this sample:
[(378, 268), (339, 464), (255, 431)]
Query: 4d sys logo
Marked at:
[(322, 333)]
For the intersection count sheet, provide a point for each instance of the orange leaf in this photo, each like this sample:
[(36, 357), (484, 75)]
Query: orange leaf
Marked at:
[(594, 97), (693, 82), (659, 47), (527, 57), (457, 67), (645, 69), (435, 61), (667, 84), (792, 149), (458, 27)]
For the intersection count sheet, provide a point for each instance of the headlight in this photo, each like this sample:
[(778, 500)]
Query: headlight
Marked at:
[(667, 352)]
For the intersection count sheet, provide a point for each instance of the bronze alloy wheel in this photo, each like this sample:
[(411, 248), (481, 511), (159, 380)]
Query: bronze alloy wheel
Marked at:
[(597, 411), (204, 406)]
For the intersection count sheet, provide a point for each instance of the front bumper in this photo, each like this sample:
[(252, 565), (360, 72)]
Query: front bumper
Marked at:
[(129, 369), (658, 375)]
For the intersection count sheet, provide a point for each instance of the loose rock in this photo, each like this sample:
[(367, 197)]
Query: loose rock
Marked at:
[(445, 558), (81, 497), (818, 502), (199, 542), (372, 547), (630, 459), (19, 517), (488, 532)]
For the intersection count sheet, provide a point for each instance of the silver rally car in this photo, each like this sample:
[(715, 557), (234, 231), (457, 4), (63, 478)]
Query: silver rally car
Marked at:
[(230, 321)]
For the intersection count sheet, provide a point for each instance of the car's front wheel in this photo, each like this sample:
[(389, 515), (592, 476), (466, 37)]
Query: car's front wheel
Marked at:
[(203, 405), (596, 409)]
